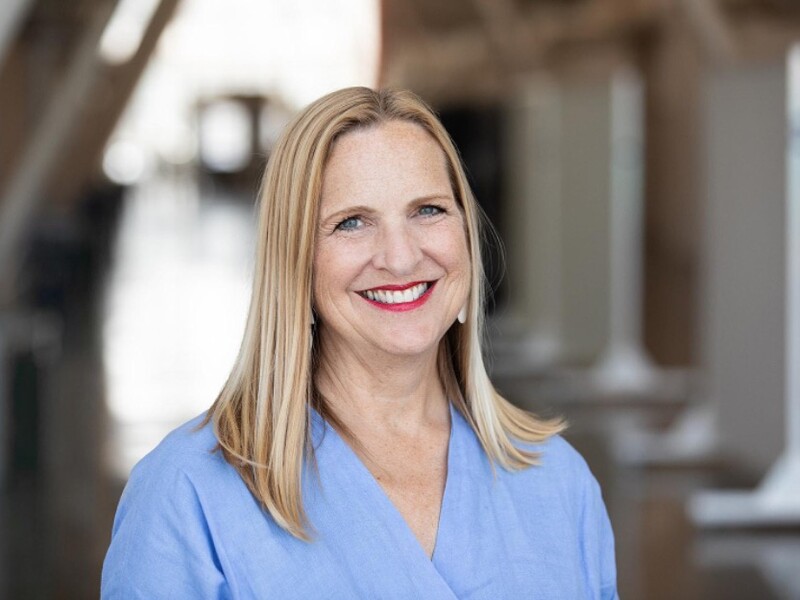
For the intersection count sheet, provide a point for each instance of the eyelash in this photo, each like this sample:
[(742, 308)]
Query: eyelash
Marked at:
[(439, 209), (340, 226)]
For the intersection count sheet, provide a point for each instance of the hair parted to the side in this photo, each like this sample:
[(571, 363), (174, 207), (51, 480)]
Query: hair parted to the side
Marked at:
[(262, 415)]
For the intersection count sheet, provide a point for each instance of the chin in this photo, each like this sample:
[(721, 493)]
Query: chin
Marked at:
[(410, 343)]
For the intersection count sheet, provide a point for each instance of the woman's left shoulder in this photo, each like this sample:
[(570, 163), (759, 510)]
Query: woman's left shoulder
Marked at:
[(563, 486), (560, 462)]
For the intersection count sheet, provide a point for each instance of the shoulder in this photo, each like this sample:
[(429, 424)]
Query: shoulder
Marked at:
[(190, 446), (177, 474), (561, 480), (161, 534), (558, 452), (574, 488), (167, 479), (560, 463)]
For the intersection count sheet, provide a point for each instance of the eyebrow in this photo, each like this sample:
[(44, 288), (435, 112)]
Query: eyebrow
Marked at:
[(366, 210), (429, 197), (350, 210)]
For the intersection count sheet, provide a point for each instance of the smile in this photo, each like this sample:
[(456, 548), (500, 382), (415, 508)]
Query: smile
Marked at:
[(399, 298)]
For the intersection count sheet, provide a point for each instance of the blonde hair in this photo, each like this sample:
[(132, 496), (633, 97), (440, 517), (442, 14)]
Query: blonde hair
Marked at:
[(262, 415)]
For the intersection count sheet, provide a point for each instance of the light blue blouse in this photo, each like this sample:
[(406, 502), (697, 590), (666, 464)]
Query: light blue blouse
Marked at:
[(187, 527)]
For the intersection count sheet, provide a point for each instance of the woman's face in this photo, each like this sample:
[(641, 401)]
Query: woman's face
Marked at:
[(391, 263)]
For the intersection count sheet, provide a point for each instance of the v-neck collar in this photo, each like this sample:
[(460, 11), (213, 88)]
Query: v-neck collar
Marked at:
[(321, 428)]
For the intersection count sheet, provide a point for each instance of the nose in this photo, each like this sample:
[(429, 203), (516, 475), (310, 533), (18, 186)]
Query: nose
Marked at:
[(398, 250)]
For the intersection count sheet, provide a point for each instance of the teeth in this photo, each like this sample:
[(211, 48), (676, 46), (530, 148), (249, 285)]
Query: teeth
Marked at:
[(396, 297)]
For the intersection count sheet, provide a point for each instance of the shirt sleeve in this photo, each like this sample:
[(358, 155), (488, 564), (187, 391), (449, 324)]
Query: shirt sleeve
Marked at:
[(598, 543), (161, 546)]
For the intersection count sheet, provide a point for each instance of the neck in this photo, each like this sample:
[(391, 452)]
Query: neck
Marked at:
[(392, 394)]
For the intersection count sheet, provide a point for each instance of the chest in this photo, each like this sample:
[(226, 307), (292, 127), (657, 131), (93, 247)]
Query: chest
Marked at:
[(413, 479), (417, 496), (499, 535), (362, 548)]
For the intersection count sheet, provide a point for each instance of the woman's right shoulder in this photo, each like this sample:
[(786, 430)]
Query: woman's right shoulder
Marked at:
[(186, 465), (162, 532), (192, 447)]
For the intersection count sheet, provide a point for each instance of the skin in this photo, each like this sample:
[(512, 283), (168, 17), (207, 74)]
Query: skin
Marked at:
[(388, 216)]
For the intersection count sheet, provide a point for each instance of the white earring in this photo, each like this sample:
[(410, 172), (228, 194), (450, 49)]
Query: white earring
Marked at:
[(313, 320), (462, 315)]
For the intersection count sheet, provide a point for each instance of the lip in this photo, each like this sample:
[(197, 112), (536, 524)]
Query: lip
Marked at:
[(397, 288), (401, 306)]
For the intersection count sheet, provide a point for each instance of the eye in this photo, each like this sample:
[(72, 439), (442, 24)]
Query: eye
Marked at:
[(350, 224), (430, 210)]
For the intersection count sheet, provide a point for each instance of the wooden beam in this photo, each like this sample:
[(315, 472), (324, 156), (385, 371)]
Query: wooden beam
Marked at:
[(712, 28), (497, 18), (22, 195), (12, 14), (104, 104), (510, 42)]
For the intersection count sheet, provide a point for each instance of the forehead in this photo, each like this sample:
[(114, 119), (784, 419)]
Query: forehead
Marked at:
[(397, 156)]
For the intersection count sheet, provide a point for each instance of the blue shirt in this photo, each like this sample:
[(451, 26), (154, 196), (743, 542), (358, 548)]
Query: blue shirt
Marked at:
[(188, 527)]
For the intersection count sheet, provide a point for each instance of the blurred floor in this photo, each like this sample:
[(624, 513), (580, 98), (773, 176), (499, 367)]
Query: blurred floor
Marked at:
[(152, 348)]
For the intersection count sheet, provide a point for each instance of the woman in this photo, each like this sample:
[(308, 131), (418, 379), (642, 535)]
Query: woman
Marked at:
[(358, 449)]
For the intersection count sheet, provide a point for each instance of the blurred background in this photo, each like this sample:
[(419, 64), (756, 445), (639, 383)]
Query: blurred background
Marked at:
[(638, 158)]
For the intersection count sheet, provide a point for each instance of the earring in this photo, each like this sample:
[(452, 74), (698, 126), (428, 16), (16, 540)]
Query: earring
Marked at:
[(313, 319), (462, 315)]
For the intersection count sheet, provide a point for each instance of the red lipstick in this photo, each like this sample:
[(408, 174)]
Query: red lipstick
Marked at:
[(402, 306)]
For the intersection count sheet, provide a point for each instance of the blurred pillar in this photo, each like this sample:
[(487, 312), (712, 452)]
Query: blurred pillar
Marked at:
[(753, 294), (674, 199), (585, 217), (601, 224), (28, 344), (623, 364), (531, 324), (672, 63), (575, 229)]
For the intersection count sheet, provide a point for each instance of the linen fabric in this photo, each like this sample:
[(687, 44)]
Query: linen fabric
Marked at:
[(188, 527)]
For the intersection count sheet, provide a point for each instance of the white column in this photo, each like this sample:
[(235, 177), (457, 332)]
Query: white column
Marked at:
[(754, 274), (623, 364), (602, 167), (530, 325)]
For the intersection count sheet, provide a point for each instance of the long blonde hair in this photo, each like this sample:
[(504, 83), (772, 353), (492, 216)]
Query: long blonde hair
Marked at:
[(262, 415)]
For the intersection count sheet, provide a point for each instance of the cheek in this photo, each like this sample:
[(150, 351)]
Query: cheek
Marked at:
[(453, 250), (320, 275), (335, 267)]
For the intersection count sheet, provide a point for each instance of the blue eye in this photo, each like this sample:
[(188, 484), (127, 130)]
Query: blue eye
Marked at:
[(349, 224), (430, 210)]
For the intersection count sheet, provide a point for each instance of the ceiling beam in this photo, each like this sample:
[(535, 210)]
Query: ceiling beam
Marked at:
[(12, 15), (712, 27), (103, 107), (22, 194), (510, 41)]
